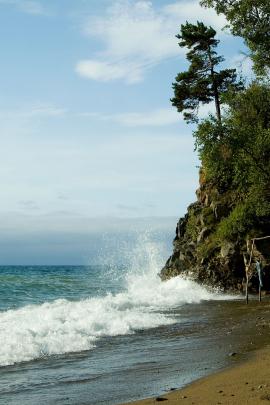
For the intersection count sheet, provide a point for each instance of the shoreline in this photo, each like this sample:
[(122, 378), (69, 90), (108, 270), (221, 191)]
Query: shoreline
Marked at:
[(245, 381)]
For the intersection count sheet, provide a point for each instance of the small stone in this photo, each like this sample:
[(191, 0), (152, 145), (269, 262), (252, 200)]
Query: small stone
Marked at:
[(232, 354), (160, 399), (220, 392), (265, 397), (184, 397), (260, 387)]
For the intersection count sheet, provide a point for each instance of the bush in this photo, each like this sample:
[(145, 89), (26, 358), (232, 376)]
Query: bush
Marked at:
[(237, 223)]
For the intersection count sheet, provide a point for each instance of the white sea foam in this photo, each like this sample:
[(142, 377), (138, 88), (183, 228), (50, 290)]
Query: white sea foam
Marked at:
[(64, 326)]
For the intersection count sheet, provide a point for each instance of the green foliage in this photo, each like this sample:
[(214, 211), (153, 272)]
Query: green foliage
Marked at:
[(234, 151), (208, 216), (192, 228), (248, 136), (245, 216), (249, 19), (214, 153), (202, 83), (240, 156), (238, 161), (239, 221)]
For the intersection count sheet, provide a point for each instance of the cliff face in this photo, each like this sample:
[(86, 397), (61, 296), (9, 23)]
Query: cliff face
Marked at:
[(198, 254)]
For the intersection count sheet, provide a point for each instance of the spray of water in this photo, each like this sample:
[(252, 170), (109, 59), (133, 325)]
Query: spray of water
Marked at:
[(63, 326)]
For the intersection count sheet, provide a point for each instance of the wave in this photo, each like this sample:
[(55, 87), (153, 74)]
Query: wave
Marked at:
[(64, 326)]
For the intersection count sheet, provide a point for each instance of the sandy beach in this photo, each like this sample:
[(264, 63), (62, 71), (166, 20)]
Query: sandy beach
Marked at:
[(245, 382), (248, 383)]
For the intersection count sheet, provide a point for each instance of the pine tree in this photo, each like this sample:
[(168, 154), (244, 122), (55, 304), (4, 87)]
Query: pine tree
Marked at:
[(202, 82)]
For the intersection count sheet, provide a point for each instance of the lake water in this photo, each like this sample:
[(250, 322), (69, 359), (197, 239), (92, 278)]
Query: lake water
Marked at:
[(105, 334)]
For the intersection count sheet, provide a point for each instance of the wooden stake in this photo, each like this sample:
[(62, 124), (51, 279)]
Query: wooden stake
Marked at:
[(248, 265), (247, 289)]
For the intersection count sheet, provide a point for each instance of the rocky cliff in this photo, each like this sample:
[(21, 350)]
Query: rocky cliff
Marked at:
[(198, 253)]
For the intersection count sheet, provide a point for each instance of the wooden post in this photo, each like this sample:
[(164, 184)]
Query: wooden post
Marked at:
[(246, 268), (248, 265), (246, 288)]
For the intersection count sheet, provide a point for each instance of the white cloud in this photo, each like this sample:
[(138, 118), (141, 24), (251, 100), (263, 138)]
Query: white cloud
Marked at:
[(15, 223), (28, 120), (95, 175), (244, 65), (39, 110), (206, 109), (137, 36), (155, 118), (27, 6), (191, 11), (107, 71), (45, 110)]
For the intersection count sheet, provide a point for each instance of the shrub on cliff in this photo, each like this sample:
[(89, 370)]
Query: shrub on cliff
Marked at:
[(237, 224), (239, 158), (239, 153)]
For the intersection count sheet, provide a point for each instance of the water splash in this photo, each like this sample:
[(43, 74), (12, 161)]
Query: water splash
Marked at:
[(64, 326)]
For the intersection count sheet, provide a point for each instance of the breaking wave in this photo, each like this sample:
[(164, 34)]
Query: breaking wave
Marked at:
[(63, 326)]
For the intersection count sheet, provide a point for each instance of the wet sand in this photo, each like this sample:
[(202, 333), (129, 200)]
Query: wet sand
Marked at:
[(246, 381)]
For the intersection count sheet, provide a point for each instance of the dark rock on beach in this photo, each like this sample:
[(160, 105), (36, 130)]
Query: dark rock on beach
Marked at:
[(198, 254)]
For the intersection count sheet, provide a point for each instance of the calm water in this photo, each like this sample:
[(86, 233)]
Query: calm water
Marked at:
[(103, 334)]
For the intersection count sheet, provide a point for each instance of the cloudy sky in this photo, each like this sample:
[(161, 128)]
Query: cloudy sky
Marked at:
[(87, 130)]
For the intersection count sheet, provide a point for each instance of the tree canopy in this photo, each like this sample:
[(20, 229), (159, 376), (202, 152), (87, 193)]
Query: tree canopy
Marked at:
[(238, 163), (249, 19), (203, 81)]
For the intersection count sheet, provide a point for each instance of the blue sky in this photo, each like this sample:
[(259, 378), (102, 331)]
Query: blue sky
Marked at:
[(86, 125)]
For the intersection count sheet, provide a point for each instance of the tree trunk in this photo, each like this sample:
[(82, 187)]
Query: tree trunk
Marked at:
[(217, 102), (215, 89)]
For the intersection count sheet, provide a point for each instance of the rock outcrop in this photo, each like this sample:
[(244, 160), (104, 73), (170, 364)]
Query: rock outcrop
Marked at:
[(199, 255)]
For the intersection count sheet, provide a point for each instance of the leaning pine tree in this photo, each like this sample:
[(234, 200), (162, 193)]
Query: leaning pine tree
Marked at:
[(202, 82)]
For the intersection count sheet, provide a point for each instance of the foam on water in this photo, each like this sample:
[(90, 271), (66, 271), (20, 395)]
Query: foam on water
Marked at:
[(64, 326)]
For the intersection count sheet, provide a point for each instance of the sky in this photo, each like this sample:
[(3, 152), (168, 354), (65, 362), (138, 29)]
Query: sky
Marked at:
[(88, 133)]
